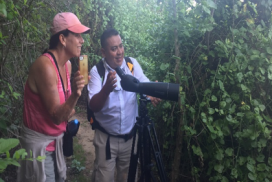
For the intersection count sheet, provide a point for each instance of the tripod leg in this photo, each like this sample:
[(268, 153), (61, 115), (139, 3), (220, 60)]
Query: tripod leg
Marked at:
[(133, 159), (156, 152), (147, 155)]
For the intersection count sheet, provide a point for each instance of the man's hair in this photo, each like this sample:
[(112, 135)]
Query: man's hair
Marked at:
[(107, 34)]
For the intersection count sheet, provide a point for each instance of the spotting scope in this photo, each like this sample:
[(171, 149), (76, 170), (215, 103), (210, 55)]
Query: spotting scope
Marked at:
[(167, 91)]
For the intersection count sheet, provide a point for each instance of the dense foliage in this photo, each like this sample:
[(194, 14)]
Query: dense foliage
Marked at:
[(220, 52)]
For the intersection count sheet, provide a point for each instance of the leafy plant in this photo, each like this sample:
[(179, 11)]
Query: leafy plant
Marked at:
[(7, 96), (5, 159), (76, 166)]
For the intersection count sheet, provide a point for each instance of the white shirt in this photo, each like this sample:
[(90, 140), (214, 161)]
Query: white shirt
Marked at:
[(119, 113)]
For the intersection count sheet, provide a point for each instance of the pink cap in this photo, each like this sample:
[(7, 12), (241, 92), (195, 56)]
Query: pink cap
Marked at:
[(67, 20)]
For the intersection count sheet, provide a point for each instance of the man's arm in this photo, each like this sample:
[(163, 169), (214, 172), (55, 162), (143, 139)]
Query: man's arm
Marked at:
[(43, 81), (98, 100)]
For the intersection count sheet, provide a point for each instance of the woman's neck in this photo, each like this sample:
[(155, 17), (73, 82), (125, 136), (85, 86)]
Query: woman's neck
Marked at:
[(60, 56)]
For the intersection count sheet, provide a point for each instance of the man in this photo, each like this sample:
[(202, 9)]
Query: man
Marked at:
[(115, 111)]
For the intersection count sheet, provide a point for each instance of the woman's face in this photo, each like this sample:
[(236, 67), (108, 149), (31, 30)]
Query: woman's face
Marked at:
[(74, 43)]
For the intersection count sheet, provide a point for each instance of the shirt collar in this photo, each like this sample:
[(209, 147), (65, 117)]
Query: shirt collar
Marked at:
[(110, 69)]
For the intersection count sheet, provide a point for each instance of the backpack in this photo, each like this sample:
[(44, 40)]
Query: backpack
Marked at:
[(101, 71)]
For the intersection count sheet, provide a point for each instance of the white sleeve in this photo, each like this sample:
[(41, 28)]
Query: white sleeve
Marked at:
[(95, 84)]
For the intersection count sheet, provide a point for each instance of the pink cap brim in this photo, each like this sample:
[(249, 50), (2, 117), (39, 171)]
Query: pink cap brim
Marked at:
[(79, 28)]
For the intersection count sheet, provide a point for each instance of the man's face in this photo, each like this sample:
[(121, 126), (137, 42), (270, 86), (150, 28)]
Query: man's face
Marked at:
[(114, 51)]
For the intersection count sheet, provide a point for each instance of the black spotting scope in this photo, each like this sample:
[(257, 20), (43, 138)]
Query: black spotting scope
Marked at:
[(167, 91)]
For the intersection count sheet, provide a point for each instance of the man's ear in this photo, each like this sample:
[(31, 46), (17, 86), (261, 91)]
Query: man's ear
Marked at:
[(103, 52)]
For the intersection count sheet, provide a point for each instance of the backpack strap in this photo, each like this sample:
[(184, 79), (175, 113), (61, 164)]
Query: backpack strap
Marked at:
[(101, 70), (129, 65)]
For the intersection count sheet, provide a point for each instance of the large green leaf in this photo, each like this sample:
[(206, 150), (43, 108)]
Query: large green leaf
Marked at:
[(7, 144), (3, 10), (269, 72), (211, 4)]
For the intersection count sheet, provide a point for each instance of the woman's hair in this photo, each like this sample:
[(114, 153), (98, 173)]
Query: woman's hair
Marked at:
[(54, 40)]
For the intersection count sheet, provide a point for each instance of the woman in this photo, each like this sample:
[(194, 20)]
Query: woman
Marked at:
[(49, 101)]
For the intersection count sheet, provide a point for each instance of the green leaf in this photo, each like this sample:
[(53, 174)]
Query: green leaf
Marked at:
[(214, 98), (269, 50), (7, 144), (187, 33), (16, 95), (211, 129), (3, 164), (229, 151), (13, 162), (211, 4), (269, 72), (206, 9), (256, 52), (262, 107), (243, 87), (229, 118), (221, 85), (254, 57), (250, 167), (270, 161), (3, 124), (164, 66), (219, 168), (3, 9), (262, 70), (40, 158), (224, 179), (260, 158), (252, 176), (219, 155), (176, 57), (197, 150), (261, 167), (242, 160), (211, 111), (267, 118), (240, 114), (19, 153), (234, 172), (189, 69), (240, 76), (223, 104)]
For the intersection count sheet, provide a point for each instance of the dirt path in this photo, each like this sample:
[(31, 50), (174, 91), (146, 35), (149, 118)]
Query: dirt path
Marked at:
[(85, 139)]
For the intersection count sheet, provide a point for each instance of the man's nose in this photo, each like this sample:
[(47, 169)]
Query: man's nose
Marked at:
[(119, 51)]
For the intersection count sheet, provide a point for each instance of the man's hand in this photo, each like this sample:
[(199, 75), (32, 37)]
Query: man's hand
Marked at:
[(110, 83), (154, 100), (78, 84)]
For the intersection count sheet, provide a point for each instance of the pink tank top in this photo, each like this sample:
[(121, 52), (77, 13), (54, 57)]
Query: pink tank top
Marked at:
[(36, 117)]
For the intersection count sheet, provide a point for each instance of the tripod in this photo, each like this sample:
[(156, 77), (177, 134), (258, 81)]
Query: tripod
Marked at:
[(147, 139)]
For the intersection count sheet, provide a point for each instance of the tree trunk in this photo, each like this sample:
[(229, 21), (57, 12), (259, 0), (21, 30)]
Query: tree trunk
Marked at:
[(179, 133)]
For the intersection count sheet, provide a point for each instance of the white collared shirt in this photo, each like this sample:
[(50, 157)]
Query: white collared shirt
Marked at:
[(119, 113)]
